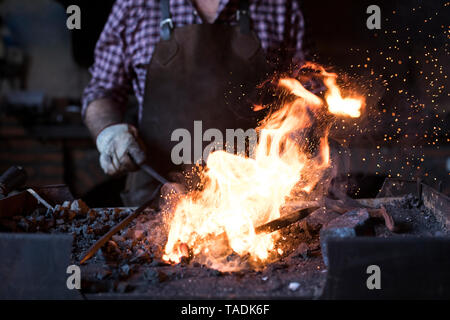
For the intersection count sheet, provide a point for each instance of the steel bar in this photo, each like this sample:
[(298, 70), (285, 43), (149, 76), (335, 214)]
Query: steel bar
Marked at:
[(39, 199), (122, 224), (285, 221), (151, 172)]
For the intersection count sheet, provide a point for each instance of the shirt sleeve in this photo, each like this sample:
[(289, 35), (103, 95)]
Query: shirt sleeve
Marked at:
[(110, 78)]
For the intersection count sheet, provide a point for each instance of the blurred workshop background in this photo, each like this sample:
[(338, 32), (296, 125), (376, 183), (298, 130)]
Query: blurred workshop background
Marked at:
[(44, 69)]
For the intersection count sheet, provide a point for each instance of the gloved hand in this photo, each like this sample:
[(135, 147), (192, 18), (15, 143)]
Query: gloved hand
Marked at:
[(119, 149)]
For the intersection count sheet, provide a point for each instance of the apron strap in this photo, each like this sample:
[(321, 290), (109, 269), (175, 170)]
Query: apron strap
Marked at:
[(166, 24), (243, 16)]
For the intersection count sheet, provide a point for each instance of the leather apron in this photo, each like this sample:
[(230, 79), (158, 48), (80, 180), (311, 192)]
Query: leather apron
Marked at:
[(200, 72)]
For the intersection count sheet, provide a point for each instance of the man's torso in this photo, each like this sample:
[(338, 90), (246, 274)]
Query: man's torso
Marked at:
[(277, 23)]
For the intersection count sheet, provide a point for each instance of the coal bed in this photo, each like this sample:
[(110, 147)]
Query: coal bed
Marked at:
[(130, 264)]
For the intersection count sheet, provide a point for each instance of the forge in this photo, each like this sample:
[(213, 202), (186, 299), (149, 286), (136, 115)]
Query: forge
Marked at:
[(325, 255), (276, 225)]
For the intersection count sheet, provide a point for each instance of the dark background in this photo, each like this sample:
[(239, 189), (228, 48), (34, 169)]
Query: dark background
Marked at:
[(402, 69)]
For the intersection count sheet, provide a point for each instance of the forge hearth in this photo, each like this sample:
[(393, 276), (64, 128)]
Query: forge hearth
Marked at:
[(130, 264)]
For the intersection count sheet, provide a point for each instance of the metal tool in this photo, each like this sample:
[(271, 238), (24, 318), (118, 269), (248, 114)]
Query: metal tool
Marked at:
[(122, 224), (285, 221), (267, 227), (12, 179), (40, 199), (25, 202), (37, 258), (151, 172), (97, 245), (279, 223)]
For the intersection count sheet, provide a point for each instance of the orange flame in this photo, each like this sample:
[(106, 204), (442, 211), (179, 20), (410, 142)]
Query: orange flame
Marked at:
[(241, 193), (338, 105)]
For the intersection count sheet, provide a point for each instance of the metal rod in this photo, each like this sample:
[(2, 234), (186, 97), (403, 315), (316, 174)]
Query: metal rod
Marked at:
[(40, 199), (285, 221), (122, 224), (151, 172)]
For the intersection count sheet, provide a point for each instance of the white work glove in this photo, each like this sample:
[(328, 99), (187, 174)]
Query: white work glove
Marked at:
[(119, 149)]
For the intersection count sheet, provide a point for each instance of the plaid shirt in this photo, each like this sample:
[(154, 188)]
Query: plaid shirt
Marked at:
[(126, 44)]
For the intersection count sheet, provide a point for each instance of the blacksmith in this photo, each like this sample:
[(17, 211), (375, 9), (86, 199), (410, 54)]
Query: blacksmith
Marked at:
[(185, 61)]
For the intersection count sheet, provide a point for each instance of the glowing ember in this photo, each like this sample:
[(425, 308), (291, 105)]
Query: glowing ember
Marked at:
[(241, 193)]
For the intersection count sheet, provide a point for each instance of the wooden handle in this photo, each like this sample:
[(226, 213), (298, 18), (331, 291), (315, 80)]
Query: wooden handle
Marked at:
[(11, 179)]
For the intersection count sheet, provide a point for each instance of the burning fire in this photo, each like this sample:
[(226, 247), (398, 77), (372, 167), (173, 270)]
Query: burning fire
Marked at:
[(241, 193)]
